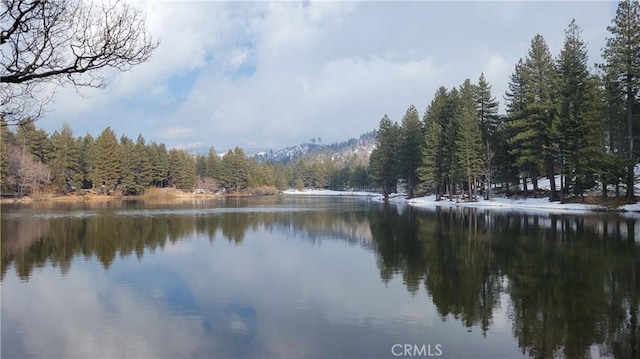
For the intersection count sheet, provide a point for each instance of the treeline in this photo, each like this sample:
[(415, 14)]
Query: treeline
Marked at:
[(33, 161), (562, 118)]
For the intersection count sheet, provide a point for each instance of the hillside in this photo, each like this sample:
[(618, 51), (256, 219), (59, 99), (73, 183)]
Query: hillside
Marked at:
[(359, 147)]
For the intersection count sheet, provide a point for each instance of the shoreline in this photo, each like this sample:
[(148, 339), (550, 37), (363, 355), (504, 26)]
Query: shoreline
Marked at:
[(541, 204), (107, 198)]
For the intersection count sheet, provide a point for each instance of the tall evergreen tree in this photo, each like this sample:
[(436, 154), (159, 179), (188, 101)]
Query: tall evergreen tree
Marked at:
[(159, 163), (577, 121), (489, 121), (108, 161), (87, 160), (541, 93), (622, 63), (142, 166), (454, 174), (591, 151), (182, 169), (432, 172), (521, 139), (469, 138), (235, 170), (487, 110), (212, 169), (6, 137), (201, 165), (410, 148), (531, 108), (34, 141), (614, 169), (128, 160), (384, 158), (65, 159)]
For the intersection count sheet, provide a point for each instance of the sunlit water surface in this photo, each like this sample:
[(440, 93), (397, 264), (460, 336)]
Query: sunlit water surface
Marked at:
[(294, 277)]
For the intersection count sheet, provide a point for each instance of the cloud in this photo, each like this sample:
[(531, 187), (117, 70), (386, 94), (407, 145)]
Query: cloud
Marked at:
[(177, 132), (268, 74), (189, 146), (238, 58)]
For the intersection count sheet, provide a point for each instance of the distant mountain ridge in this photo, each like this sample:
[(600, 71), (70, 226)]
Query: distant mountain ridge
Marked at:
[(353, 146)]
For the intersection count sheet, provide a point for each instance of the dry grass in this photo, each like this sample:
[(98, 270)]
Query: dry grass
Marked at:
[(152, 194)]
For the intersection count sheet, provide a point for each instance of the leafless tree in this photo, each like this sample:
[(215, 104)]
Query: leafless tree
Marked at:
[(25, 175), (49, 43)]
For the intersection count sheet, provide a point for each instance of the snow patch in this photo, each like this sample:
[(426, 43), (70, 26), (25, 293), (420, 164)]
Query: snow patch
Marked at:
[(327, 192), (542, 204)]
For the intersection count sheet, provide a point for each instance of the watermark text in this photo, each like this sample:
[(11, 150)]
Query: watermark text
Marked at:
[(416, 350)]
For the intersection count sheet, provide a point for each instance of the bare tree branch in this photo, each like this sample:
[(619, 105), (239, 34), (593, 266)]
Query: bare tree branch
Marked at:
[(64, 42)]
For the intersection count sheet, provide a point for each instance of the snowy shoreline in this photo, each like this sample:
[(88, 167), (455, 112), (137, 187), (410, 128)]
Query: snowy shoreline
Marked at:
[(534, 204)]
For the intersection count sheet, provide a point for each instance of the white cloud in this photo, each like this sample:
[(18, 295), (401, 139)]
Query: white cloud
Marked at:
[(189, 146), (328, 69), (177, 132), (238, 58)]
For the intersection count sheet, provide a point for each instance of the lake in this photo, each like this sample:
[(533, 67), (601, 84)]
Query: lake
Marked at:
[(321, 277)]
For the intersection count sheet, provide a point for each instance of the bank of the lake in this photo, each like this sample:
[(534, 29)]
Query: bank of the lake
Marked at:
[(497, 202), (152, 195)]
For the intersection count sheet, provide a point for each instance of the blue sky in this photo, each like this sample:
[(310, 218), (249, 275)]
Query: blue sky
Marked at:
[(268, 74)]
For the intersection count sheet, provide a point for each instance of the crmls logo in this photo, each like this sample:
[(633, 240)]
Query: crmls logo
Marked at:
[(415, 350)]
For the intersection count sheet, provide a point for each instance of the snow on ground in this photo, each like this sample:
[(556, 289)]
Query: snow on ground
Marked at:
[(543, 183), (393, 198), (635, 207), (326, 192), (542, 204), (534, 204)]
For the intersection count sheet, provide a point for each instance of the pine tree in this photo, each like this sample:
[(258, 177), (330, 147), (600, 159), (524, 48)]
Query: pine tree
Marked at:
[(87, 159), (201, 165), (590, 150), (622, 56), (454, 174), (577, 122), (6, 137), (469, 138), (410, 148), (235, 170), (212, 169), (181, 169), (521, 140), (489, 121), (503, 161), (384, 158), (35, 142), (108, 161), (487, 110), (159, 164), (128, 160), (142, 166), (65, 159), (281, 178), (432, 171), (541, 72), (318, 176), (614, 166)]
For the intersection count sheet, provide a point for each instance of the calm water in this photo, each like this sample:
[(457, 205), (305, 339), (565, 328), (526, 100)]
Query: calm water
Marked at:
[(286, 277)]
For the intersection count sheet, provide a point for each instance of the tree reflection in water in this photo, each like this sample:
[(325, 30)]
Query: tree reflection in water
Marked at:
[(572, 281)]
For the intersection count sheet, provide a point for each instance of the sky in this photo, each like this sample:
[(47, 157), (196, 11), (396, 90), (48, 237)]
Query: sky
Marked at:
[(265, 75)]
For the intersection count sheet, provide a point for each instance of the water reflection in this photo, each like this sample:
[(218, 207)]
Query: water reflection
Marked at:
[(572, 280), (565, 282)]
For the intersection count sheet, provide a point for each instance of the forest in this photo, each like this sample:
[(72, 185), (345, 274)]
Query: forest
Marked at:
[(575, 124), (565, 120), (34, 162)]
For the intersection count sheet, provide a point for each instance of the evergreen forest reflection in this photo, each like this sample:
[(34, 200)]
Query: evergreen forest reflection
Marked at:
[(570, 282)]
